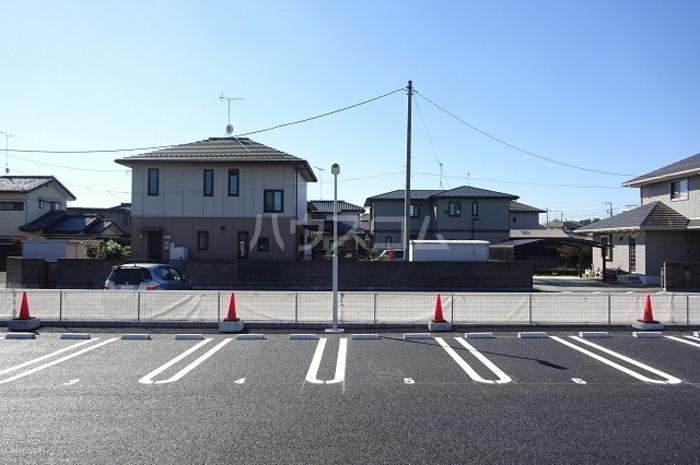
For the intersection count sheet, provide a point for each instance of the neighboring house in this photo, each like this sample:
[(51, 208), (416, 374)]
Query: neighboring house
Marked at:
[(462, 213), (221, 198), (120, 214), (665, 228), (524, 216), (23, 199), (351, 237), (62, 225)]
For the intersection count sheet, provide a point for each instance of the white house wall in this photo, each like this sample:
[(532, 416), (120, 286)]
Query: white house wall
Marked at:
[(181, 186), (10, 221)]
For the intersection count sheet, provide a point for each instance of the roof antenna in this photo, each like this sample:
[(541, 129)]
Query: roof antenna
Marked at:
[(7, 150), (229, 127)]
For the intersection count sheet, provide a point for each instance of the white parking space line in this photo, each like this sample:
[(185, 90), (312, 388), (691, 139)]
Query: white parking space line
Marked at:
[(502, 377), (47, 356), (312, 374), (148, 379), (680, 339), (668, 379), (694, 338), (56, 362), (196, 363)]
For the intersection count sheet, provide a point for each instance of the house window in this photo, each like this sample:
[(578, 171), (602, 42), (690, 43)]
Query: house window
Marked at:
[(413, 209), (454, 209), (153, 175), (633, 254), (41, 204), (388, 242), (233, 183), (274, 201), (318, 216), (202, 240), (679, 189), (475, 208), (243, 245), (607, 247), (263, 244), (55, 205), (11, 206), (515, 220), (208, 183)]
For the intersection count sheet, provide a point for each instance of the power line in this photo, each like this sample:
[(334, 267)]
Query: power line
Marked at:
[(322, 115), (515, 147)]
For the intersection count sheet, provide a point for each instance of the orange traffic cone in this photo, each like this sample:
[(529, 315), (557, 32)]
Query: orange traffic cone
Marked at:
[(231, 324), (24, 309), (232, 309), (24, 322), (438, 323), (648, 316), (438, 318)]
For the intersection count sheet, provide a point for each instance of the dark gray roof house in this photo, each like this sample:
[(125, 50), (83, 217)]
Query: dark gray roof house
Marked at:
[(664, 228), (465, 212)]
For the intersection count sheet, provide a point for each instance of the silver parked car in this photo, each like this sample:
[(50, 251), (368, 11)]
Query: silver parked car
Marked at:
[(147, 277)]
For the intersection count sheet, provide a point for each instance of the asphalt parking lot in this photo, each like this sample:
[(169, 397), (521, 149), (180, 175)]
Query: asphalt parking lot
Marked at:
[(341, 398)]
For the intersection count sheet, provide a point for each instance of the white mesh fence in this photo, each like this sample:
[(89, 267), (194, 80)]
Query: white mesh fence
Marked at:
[(353, 307)]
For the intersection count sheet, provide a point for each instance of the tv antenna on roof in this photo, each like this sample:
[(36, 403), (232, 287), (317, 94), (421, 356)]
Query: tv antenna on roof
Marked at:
[(7, 150), (229, 127)]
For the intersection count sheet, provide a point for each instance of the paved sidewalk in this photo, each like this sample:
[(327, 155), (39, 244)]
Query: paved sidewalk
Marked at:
[(576, 284)]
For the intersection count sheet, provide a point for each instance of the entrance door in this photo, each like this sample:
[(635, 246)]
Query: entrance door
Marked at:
[(155, 245)]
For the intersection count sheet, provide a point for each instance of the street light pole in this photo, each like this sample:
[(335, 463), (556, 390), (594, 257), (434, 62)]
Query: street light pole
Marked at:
[(335, 169)]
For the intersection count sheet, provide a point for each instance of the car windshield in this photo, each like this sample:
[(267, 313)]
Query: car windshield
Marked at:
[(129, 276)]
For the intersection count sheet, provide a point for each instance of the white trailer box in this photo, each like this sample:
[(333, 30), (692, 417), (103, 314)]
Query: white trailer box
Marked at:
[(448, 251)]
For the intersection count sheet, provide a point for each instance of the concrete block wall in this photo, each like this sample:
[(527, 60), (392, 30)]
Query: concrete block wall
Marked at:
[(315, 275)]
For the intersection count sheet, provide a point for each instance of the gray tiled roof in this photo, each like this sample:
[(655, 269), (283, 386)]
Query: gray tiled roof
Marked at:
[(60, 222), (682, 167), (219, 149), (326, 206), (26, 184), (474, 192), (458, 192), (521, 207), (654, 215)]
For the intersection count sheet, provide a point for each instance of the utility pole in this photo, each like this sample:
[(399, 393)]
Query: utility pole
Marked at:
[(610, 210), (407, 193), (320, 179)]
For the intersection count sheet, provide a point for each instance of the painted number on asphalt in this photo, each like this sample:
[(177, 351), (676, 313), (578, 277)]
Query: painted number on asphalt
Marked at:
[(409, 381), (578, 381)]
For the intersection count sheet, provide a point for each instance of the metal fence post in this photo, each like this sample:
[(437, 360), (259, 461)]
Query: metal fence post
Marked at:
[(687, 309), (60, 305), (218, 306), (529, 310), (374, 307), (296, 307), (452, 309), (609, 309), (138, 307)]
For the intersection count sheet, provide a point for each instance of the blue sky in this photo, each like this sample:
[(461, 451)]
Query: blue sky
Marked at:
[(570, 98)]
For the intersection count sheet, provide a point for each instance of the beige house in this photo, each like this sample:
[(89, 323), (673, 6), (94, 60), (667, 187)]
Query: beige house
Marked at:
[(221, 198), (665, 228), (24, 199)]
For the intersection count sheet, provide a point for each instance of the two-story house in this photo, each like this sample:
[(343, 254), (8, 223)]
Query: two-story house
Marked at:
[(462, 213), (524, 216), (23, 199), (351, 237), (221, 198), (665, 228)]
